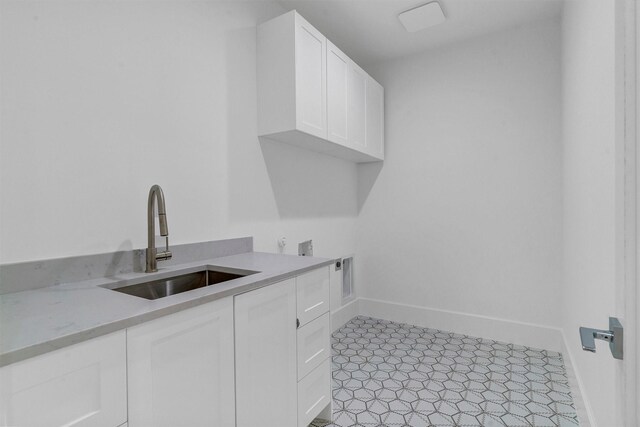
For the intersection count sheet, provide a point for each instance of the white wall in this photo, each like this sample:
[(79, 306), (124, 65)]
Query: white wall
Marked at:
[(100, 100), (466, 214), (590, 205)]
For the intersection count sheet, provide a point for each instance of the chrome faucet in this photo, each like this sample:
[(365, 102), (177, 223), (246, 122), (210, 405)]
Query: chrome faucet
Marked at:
[(155, 193)]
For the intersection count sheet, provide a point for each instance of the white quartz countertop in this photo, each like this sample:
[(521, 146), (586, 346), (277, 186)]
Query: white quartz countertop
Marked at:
[(39, 321)]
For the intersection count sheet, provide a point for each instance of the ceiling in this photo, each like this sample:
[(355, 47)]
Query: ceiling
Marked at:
[(369, 30)]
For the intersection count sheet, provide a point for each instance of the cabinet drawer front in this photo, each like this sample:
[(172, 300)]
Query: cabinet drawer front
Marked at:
[(313, 295), (314, 393), (314, 344), (81, 385)]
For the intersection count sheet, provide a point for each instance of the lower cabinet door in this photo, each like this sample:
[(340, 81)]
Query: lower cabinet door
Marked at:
[(266, 356), (180, 368), (83, 385)]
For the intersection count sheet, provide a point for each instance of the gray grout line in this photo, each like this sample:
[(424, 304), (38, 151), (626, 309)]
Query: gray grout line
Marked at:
[(392, 374)]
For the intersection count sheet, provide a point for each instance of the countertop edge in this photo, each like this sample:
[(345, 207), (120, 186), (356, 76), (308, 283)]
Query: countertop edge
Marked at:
[(24, 353)]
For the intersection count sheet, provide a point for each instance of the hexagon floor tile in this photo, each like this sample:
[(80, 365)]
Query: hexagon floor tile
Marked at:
[(392, 374)]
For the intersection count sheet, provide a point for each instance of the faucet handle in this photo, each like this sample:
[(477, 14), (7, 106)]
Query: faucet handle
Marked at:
[(166, 254)]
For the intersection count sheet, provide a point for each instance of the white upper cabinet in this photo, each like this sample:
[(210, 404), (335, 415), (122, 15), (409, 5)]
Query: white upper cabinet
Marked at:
[(312, 95)]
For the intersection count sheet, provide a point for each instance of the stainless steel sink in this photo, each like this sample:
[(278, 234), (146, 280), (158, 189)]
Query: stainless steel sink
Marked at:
[(185, 282)]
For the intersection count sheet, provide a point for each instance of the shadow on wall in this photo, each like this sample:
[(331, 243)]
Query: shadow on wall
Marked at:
[(367, 176), (270, 180), (120, 264), (308, 184), (250, 197)]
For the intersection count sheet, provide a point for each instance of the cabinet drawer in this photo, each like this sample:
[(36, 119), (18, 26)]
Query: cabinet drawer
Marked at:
[(314, 344), (314, 393), (313, 295)]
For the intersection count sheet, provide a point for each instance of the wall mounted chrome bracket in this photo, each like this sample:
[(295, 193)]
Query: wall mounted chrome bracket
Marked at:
[(614, 336)]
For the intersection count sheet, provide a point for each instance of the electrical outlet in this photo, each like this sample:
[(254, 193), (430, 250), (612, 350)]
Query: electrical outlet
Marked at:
[(282, 242)]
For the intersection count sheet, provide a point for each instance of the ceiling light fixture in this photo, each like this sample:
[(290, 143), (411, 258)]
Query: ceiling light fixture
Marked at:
[(422, 17)]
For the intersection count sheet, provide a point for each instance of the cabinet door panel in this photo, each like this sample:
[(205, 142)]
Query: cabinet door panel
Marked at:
[(356, 110), (82, 386), (375, 118), (181, 368), (311, 96), (337, 78), (266, 374)]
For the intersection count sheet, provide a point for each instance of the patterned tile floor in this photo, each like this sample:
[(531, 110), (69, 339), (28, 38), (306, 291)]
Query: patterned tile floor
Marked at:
[(391, 374)]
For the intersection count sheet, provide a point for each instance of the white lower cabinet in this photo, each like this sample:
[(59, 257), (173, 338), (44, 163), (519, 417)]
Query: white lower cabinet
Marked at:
[(314, 346), (256, 359), (180, 368), (84, 385), (266, 374), (282, 370)]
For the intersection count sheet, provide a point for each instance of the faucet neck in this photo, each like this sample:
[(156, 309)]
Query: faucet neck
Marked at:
[(156, 195)]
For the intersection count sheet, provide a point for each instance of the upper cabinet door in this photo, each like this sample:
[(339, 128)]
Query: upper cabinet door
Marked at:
[(356, 107), (310, 65), (181, 368), (337, 81), (346, 100), (375, 119)]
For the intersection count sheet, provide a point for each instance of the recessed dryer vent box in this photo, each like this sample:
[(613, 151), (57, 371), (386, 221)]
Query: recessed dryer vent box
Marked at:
[(305, 248)]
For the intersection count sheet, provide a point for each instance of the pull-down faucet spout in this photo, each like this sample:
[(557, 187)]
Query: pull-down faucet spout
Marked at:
[(156, 194)]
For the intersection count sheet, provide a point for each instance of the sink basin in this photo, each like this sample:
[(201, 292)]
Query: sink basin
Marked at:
[(161, 288)]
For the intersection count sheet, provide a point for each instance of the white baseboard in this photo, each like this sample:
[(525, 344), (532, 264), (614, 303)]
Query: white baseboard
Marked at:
[(345, 313), (527, 334), (583, 408)]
